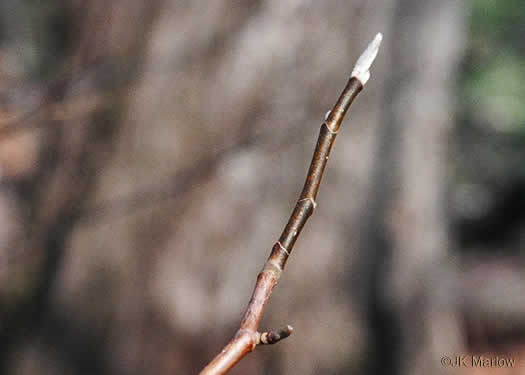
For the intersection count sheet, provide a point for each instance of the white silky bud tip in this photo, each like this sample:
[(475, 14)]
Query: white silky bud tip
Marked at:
[(364, 62)]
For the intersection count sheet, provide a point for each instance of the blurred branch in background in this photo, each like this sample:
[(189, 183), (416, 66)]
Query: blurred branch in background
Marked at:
[(71, 152)]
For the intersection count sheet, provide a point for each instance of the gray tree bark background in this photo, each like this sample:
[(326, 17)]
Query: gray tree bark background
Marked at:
[(146, 189)]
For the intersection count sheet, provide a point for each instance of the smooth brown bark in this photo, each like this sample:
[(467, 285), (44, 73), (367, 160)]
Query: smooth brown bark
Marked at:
[(248, 337)]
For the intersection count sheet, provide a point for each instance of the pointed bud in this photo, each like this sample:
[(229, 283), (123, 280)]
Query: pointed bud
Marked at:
[(362, 66)]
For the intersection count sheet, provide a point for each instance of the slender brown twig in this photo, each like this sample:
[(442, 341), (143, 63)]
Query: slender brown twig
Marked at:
[(248, 336)]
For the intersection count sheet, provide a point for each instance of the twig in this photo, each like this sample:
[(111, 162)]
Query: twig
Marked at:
[(248, 337)]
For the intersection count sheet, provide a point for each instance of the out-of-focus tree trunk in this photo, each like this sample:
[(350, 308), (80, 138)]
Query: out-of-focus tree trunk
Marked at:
[(411, 309), (70, 115)]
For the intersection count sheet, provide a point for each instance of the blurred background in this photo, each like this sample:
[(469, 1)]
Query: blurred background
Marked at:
[(151, 153)]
